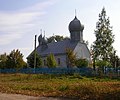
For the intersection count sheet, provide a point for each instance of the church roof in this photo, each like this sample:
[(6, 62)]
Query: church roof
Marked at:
[(57, 48)]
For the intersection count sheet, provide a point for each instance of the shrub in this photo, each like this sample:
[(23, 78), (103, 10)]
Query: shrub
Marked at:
[(81, 63), (51, 62)]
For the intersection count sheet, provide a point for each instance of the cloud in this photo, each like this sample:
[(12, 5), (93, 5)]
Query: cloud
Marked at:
[(40, 6), (8, 38), (15, 24)]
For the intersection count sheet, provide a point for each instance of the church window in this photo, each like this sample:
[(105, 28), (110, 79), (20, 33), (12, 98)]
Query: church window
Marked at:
[(58, 61)]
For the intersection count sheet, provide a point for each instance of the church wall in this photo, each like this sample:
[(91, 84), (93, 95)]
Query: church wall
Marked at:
[(82, 51), (62, 59), (44, 60)]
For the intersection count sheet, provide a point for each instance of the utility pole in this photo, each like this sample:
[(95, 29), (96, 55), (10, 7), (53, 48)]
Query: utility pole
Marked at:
[(115, 60), (35, 54)]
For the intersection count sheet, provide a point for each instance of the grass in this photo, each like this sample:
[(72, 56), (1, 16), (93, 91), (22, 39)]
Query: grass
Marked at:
[(72, 86)]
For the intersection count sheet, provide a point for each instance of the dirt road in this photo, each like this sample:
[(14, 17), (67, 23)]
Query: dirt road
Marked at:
[(4, 96)]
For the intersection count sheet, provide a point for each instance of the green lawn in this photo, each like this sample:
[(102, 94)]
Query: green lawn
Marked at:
[(73, 86)]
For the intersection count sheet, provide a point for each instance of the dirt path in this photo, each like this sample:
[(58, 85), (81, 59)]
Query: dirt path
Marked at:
[(4, 96)]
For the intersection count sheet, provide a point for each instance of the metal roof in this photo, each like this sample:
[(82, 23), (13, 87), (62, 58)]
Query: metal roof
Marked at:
[(56, 48)]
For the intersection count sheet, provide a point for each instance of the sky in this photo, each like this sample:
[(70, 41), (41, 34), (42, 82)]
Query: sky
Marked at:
[(21, 20)]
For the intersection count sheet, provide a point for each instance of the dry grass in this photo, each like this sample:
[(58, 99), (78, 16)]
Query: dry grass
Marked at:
[(73, 86)]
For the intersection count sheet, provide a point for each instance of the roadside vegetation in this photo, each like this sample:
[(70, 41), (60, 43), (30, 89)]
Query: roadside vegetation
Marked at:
[(72, 86)]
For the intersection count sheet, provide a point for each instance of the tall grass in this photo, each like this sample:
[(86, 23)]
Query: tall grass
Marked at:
[(73, 86)]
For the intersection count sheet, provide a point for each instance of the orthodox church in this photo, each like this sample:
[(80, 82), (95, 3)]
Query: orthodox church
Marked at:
[(76, 43)]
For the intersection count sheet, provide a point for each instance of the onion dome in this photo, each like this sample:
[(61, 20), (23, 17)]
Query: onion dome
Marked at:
[(75, 25), (82, 27)]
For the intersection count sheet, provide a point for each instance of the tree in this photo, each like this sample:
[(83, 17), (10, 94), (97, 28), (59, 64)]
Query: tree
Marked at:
[(30, 60), (92, 53), (56, 38), (103, 64), (114, 59), (102, 46), (50, 39), (15, 59), (71, 57), (51, 62), (3, 59)]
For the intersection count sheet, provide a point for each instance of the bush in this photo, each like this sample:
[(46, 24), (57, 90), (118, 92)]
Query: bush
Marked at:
[(51, 62), (81, 63)]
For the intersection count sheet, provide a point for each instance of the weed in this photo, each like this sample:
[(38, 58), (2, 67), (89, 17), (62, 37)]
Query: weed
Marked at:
[(63, 88)]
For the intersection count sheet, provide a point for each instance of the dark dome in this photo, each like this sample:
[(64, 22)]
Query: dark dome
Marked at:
[(82, 27), (75, 25)]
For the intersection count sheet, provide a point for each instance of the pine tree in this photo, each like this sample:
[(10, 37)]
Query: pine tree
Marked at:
[(102, 46), (51, 62)]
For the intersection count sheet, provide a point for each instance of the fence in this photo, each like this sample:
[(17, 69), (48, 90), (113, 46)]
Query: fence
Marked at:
[(81, 71), (108, 71)]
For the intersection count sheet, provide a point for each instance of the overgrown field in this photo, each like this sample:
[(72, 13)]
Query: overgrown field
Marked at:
[(72, 86)]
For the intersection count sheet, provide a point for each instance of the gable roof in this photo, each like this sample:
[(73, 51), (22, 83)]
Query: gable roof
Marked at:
[(57, 48)]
